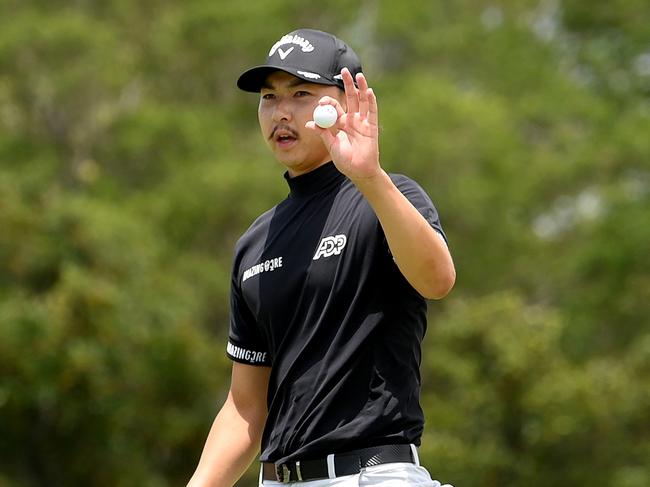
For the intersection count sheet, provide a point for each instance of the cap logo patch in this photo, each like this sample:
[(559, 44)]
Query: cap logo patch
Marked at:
[(309, 75), (284, 54), (303, 43)]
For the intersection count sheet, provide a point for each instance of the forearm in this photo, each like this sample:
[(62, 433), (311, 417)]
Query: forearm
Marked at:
[(232, 444), (419, 252)]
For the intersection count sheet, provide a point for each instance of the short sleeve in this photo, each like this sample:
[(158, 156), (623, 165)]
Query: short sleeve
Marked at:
[(421, 201), (246, 342)]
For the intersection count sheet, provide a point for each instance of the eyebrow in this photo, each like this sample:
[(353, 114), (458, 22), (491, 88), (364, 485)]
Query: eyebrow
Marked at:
[(291, 84)]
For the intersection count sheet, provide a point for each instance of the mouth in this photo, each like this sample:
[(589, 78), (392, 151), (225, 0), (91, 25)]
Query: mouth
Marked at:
[(284, 137)]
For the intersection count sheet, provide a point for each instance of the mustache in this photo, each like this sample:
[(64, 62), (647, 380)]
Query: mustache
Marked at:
[(285, 128)]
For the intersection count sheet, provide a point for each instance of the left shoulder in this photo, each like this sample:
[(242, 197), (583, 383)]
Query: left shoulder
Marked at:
[(403, 181), (407, 185), (400, 178)]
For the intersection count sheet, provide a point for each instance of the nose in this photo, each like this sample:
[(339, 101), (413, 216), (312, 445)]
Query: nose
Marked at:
[(282, 111)]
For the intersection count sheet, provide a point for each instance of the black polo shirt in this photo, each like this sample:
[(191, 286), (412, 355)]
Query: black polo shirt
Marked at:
[(317, 296)]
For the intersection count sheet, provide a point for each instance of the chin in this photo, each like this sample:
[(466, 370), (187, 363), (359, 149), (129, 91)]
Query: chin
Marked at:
[(300, 162), (289, 161)]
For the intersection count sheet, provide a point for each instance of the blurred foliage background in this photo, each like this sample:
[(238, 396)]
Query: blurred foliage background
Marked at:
[(130, 164)]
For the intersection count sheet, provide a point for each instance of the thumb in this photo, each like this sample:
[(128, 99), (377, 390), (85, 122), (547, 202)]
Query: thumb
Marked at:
[(326, 135)]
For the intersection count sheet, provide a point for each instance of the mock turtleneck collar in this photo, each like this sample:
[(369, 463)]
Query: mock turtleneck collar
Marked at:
[(310, 183)]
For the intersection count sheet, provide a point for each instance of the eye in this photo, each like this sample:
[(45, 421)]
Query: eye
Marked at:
[(268, 96), (302, 93)]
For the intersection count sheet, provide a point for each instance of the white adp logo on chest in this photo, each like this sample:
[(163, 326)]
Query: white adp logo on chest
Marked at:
[(331, 246)]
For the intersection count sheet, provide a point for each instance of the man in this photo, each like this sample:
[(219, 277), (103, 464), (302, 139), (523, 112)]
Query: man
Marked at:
[(328, 305)]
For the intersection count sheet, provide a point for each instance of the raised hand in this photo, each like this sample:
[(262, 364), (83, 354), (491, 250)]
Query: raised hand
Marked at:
[(353, 142)]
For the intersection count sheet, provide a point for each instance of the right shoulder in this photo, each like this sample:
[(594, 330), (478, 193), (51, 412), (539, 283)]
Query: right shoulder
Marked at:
[(258, 229)]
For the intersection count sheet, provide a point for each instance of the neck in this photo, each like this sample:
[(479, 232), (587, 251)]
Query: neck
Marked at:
[(324, 177), (304, 168)]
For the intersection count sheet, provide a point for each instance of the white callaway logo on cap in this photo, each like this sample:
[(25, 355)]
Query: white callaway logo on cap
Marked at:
[(304, 44), (309, 75), (284, 54)]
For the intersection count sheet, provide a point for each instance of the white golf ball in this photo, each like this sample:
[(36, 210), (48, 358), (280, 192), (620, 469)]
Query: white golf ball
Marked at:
[(325, 116)]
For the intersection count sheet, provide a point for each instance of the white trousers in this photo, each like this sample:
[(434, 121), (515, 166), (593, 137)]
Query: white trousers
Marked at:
[(386, 475)]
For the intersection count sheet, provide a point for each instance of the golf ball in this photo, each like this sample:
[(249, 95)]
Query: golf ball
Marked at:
[(325, 116)]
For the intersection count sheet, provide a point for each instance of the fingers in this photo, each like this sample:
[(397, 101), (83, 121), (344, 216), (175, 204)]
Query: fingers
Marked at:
[(363, 94), (362, 100), (351, 92), (373, 113), (361, 107)]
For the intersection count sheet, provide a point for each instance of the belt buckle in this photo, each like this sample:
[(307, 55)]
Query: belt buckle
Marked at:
[(283, 473)]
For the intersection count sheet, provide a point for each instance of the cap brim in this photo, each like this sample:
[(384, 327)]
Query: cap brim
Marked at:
[(253, 79)]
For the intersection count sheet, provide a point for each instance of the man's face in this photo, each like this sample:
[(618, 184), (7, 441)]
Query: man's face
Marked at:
[(286, 104)]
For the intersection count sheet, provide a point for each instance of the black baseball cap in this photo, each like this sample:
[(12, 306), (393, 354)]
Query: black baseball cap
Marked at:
[(312, 55)]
